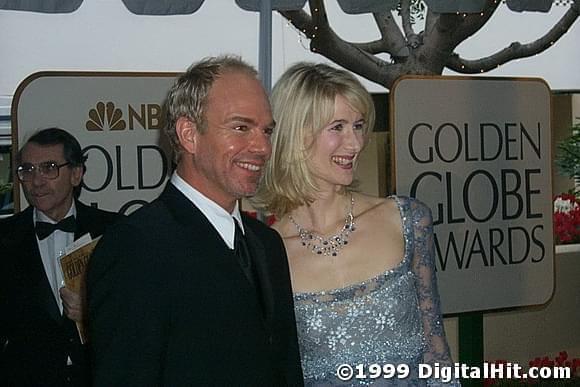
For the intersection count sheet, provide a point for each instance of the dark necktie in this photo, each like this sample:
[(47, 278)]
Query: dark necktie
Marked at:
[(44, 229), (243, 253)]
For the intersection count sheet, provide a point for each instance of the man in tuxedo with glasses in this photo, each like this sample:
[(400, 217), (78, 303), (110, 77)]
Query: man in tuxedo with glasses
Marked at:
[(40, 345)]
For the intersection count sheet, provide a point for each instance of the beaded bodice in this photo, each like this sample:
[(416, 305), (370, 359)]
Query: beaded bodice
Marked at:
[(391, 318)]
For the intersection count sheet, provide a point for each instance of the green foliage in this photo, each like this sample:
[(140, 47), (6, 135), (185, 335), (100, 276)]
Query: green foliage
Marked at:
[(568, 154), (5, 188)]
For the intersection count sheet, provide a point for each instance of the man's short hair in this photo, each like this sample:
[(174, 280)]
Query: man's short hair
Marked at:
[(72, 150), (189, 94)]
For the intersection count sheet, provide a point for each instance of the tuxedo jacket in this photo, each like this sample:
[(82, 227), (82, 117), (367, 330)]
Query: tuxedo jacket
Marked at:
[(169, 304), (36, 338)]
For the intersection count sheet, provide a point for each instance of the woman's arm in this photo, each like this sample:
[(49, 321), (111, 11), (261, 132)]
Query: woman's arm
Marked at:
[(423, 266)]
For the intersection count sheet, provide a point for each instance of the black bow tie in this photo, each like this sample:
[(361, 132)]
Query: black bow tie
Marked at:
[(44, 229)]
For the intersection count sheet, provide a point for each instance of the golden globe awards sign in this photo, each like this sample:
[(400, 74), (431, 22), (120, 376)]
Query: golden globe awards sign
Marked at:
[(118, 120), (477, 151)]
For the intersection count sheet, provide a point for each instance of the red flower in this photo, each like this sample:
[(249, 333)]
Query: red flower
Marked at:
[(566, 219), (488, 382), (561, 360)]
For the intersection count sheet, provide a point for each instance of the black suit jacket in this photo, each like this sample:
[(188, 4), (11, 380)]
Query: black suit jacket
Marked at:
[(36, 339), (170, 306)]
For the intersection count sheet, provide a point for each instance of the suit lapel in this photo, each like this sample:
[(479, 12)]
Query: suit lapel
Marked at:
[(194, 220), (34, 269), (184, 211), (260, 261), (83, 224)]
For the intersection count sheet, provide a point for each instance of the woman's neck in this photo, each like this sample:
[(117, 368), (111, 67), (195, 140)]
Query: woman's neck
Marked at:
[(324, 214)]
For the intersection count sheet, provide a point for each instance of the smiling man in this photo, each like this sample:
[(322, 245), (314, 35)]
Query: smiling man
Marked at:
[(40, 343), (188, 291)]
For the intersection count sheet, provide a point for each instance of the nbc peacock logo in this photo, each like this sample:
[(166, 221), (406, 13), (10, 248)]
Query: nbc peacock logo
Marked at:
[(105, 116)]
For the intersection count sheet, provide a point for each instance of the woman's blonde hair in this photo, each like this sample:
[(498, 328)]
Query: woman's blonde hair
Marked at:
[(303, 102)]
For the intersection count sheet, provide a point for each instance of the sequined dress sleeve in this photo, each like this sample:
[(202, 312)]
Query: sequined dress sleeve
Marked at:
[(391, 318)]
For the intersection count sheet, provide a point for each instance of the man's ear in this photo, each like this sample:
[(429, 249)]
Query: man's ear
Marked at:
[(76, 175), (186, 132)]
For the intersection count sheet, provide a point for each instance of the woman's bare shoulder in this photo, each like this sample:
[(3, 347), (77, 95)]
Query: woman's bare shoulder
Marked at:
[(375, 207)]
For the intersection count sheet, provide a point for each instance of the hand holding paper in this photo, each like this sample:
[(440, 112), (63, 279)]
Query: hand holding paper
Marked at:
[(73, 266), (73, 304)]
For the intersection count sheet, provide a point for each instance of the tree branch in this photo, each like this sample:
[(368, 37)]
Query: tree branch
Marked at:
[(318, 12), (412, 38), (431, 20), (357, 57), (374, 47), (392, 39), (301, 20), (351, 57), (517, 50), (436, 45), (446, 31), (474, 21)]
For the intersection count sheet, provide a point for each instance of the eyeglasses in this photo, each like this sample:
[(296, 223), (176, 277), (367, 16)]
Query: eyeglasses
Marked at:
[(47, 169)]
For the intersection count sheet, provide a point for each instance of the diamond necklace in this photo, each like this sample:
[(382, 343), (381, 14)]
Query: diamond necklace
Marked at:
[(331, 245)]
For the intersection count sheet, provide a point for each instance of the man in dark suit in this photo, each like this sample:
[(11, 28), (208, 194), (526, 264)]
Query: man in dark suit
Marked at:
[(187, 291), (40, 342)]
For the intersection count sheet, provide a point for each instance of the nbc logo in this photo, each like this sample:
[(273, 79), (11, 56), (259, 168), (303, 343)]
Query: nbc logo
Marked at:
[(105, 116)]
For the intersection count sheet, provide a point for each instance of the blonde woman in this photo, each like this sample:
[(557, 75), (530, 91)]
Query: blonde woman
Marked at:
[(362, 267)]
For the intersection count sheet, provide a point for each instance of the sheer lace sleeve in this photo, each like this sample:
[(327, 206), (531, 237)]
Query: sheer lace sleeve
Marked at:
[(423, 266)]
